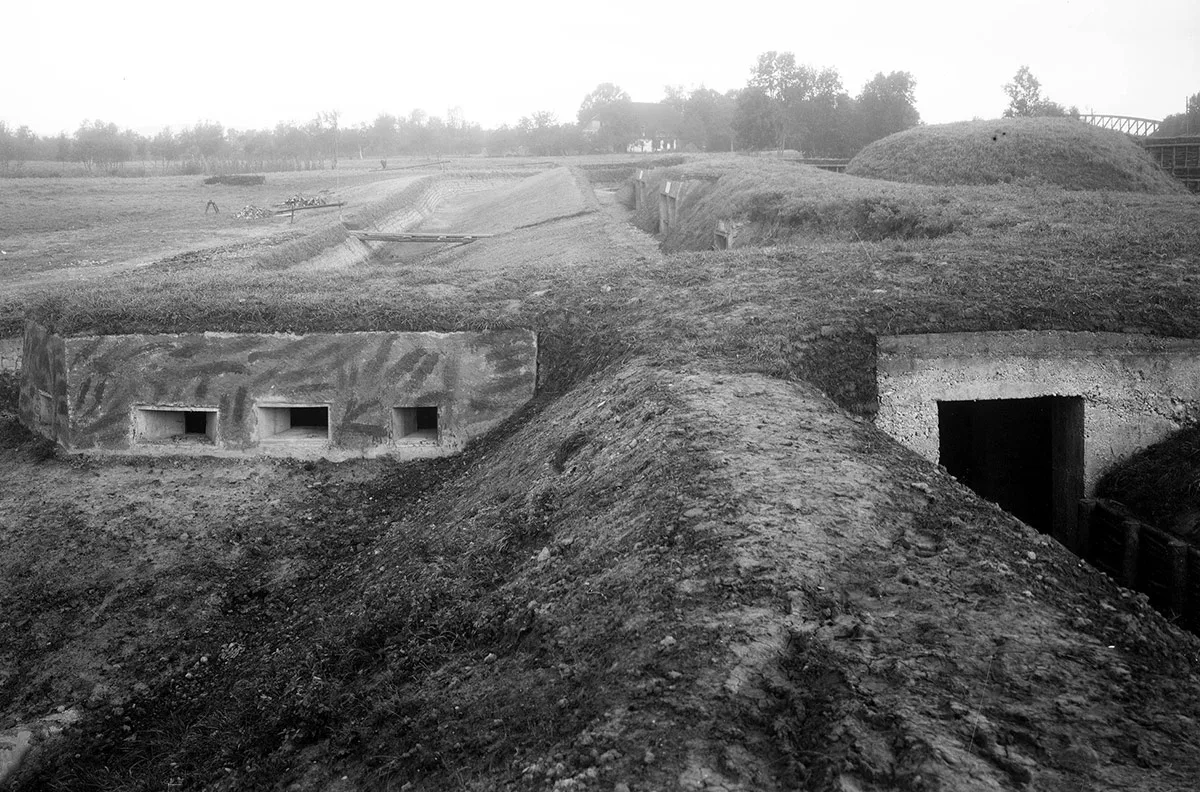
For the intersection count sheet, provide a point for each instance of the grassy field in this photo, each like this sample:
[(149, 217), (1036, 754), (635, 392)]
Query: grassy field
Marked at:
[(682, 565)]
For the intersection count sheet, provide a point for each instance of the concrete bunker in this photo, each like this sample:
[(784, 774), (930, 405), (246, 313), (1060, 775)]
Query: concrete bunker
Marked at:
[(328, 395), (1032, 419)]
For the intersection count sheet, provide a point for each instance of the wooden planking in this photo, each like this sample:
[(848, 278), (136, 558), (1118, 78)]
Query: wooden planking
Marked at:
[(294, 209)]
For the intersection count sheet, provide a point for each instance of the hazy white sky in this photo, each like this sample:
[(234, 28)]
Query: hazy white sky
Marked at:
[(248, 64)]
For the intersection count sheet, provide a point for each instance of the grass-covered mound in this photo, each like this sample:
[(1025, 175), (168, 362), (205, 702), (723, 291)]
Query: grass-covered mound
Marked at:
[(773, 202), (1161, 483), (1060, 151)]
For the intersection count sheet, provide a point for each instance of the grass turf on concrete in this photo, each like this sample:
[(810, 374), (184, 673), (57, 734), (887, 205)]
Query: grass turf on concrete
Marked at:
[(1059, 151)]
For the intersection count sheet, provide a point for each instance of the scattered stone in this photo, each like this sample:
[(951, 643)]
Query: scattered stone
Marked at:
[(252, 212), (491, 657), (543, 556), (668, 642)]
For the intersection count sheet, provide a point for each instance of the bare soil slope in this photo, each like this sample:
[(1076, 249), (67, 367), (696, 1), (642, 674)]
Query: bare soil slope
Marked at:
[(665, 578)]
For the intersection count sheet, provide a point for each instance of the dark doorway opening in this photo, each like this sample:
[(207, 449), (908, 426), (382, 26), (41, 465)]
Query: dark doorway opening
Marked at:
[(195, 422), (1024, 454), (310, 417), (288, 424)]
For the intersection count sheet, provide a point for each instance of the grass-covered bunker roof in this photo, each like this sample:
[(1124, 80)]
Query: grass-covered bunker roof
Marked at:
[(1062, 151)]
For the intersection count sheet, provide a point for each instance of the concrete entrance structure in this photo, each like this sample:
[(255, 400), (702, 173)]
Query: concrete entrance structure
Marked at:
[(1017, 413), (328, 395), (668, 205)]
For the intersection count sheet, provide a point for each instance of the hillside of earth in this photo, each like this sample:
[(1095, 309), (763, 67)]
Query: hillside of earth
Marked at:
[(1064, 152), (692, 562)]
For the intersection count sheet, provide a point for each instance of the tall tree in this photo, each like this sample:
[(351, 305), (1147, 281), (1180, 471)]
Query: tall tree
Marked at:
[(802, 100), (754, 120), (606, 118), (1025, 98), (707, 119), (887, 104), (776, 77), (814, 104), (603, 95), (101, 144), (1185, 123)]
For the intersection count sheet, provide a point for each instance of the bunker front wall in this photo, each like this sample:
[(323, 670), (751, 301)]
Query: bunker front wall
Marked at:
[(474, 379), (42, 398), (1135, 389)]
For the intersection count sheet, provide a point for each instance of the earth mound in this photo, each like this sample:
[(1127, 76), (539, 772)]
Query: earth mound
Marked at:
[(1059, 151), (1161, 483)]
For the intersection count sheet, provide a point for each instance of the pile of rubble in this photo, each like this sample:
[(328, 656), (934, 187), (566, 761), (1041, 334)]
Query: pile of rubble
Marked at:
[(252, 212), (300, 200)]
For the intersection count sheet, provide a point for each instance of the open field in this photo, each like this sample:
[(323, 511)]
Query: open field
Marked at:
[(691, 563), (87, 227)]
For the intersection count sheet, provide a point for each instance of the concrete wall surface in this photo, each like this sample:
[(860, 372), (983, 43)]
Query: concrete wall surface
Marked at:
[(116, 393), (42, 399), (10, 353), (1136, 389)]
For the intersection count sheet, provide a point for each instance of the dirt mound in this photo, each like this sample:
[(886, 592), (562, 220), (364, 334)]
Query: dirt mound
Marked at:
[(1161, 483), (1059, 151), (666, 578)]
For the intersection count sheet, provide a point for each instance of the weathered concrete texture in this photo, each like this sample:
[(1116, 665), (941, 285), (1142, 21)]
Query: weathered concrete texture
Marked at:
[(242, 391), (671, 193), (1135, 388), (42, 400), (10, 353)]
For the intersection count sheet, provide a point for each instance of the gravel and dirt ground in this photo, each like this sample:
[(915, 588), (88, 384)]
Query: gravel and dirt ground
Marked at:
[(668, 572)]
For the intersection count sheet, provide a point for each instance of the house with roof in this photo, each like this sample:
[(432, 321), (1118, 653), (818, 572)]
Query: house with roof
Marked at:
[(642, 127)]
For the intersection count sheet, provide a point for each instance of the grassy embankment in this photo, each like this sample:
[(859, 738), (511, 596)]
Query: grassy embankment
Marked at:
[(1031, 151)]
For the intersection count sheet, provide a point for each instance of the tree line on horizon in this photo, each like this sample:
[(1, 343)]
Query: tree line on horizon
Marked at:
[(783, 105)]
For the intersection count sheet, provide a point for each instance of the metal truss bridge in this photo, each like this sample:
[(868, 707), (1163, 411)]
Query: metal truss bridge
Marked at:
[(1136, 127)]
